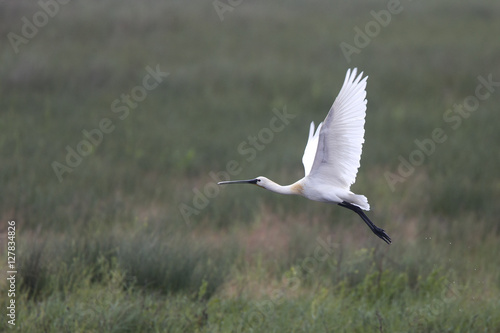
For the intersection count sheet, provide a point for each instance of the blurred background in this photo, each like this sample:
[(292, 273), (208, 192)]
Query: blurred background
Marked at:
[(117, 118)]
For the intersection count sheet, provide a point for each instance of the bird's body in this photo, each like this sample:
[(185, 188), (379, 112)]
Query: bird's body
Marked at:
[(332, 155), (310, 188)]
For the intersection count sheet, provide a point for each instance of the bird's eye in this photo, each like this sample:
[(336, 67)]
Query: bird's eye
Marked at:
[(258, 180)]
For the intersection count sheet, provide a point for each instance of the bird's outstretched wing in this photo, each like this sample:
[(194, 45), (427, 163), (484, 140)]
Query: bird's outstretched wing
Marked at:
[(311, 148), (341, 137)]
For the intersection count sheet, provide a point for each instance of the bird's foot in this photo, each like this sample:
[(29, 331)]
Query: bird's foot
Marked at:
[(381, 233)]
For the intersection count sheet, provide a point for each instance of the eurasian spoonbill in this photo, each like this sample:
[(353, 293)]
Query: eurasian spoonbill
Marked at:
[(332, 154)]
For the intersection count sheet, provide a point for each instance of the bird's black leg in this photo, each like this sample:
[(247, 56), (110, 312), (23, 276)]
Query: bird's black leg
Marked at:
[(376, 230)]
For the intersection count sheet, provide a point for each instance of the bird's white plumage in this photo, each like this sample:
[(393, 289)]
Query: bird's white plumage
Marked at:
[(332, 155), (311, 148), (340, 140)]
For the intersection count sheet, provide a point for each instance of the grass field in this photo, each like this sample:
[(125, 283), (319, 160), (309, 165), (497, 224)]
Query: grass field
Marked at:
[(118, 117)]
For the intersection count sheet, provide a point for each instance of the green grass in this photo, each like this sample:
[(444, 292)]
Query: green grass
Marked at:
[(108, 249)]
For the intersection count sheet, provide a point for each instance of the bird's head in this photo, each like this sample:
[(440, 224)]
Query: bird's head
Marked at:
[(259, 181)]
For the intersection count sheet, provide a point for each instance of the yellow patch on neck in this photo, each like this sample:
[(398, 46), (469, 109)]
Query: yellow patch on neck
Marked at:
[(297, 188)]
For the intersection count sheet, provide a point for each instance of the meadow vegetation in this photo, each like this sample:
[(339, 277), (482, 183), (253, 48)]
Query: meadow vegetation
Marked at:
[(134, 236)]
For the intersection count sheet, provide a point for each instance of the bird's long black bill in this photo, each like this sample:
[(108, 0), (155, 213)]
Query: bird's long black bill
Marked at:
[(248, 181), (376, 230)]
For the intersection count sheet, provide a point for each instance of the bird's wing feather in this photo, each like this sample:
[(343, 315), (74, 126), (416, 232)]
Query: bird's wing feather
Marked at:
[(341, 138), (311, 148)]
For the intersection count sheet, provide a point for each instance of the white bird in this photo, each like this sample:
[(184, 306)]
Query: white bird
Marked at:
[(332, 154)]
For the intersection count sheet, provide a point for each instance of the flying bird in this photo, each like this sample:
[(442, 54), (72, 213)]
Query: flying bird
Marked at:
[(332, 155)]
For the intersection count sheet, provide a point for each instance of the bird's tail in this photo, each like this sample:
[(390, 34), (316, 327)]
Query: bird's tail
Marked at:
[(359, 200)]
